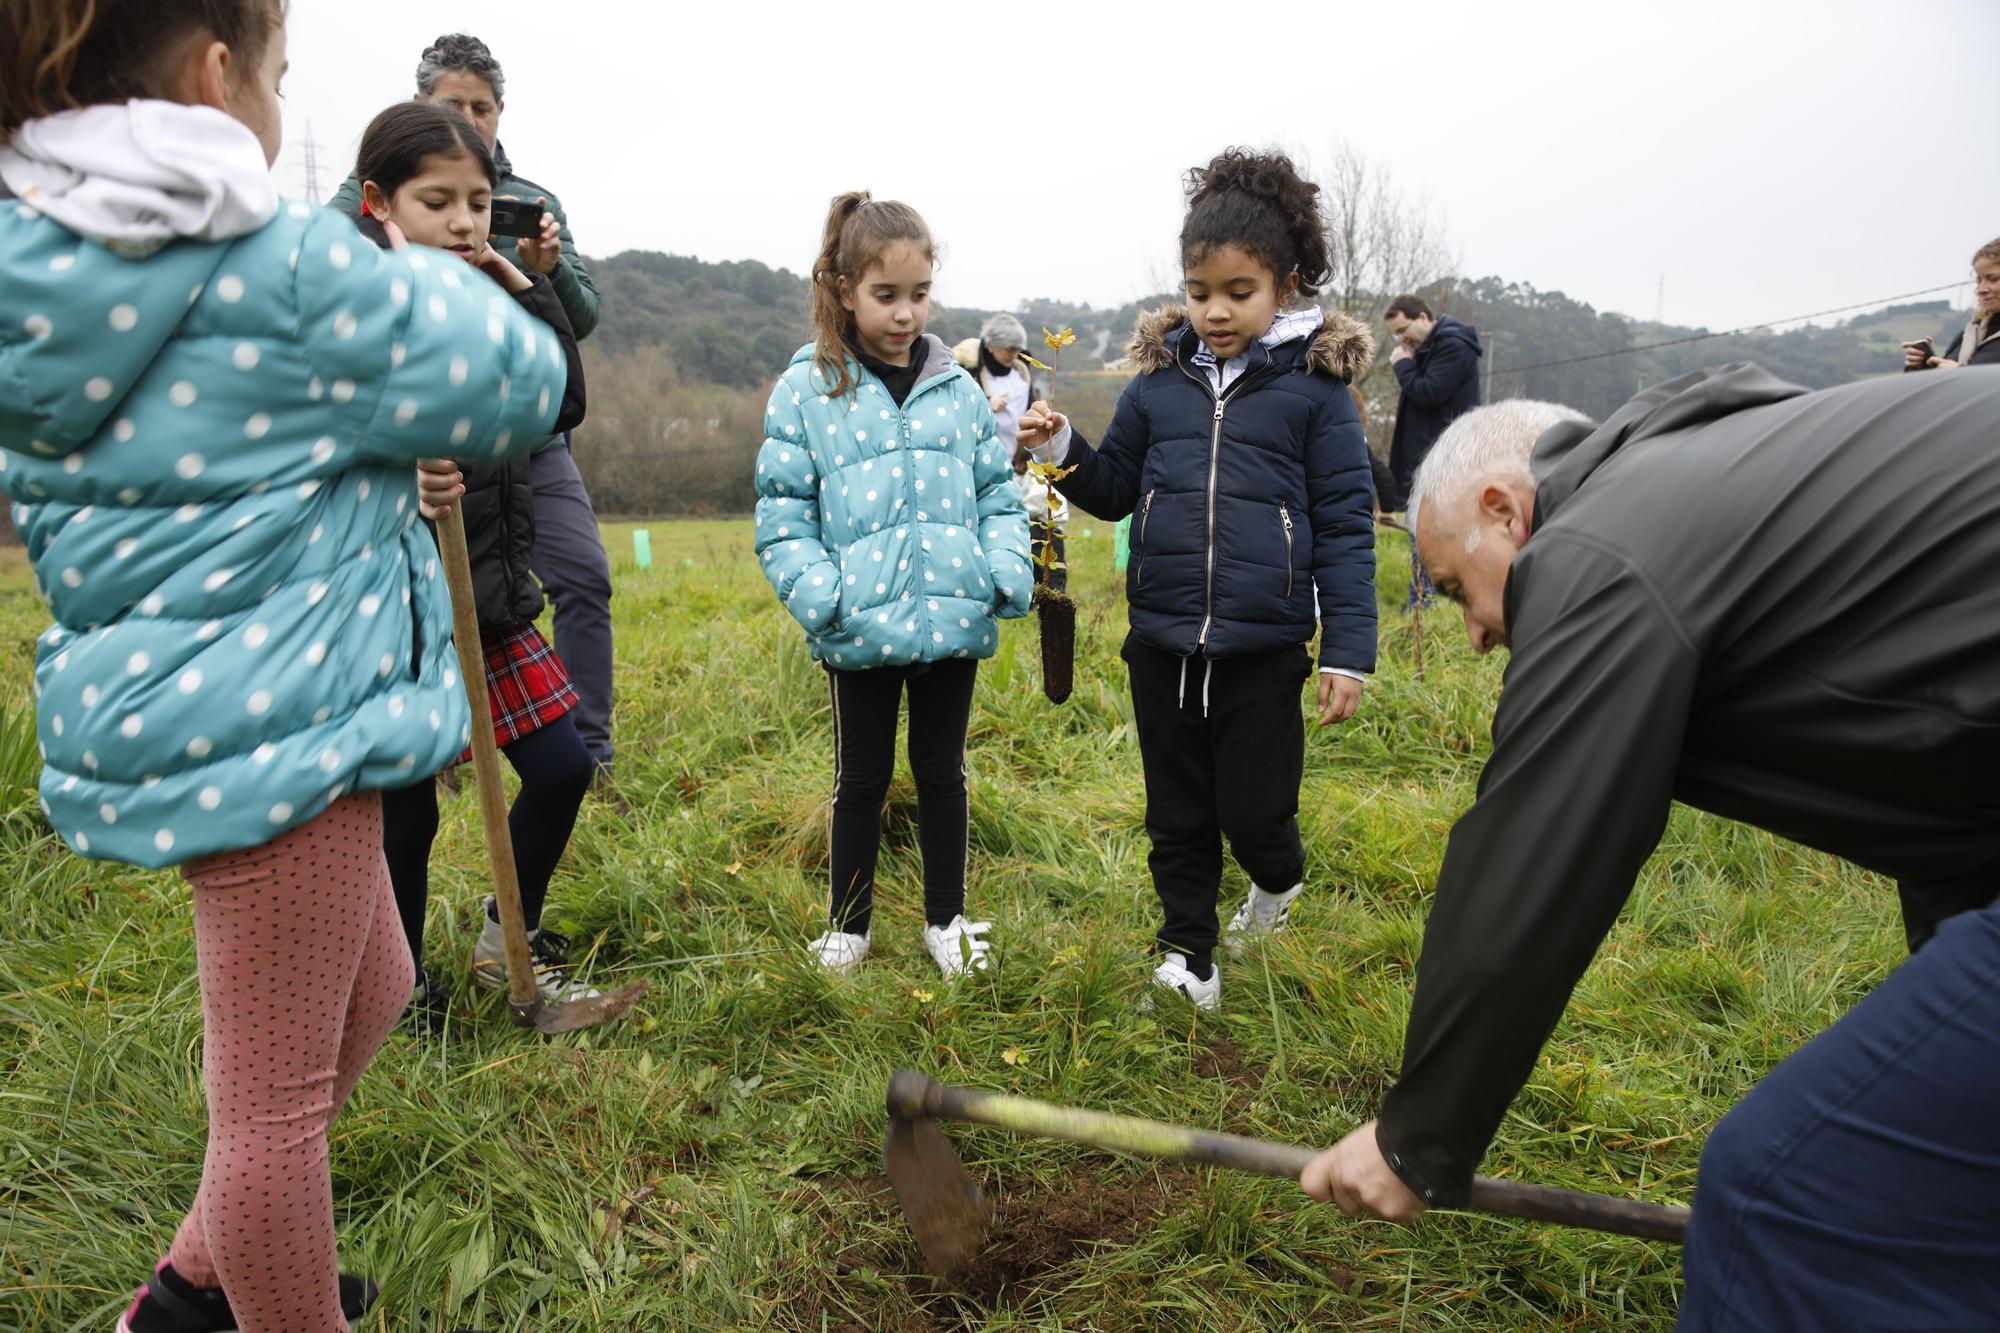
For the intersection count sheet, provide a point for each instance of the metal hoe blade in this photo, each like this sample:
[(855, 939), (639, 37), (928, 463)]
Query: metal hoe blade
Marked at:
[(945, 1206), (574, 1015)]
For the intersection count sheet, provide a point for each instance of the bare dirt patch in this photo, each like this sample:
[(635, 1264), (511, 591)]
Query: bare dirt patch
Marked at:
[(1039, 1229)]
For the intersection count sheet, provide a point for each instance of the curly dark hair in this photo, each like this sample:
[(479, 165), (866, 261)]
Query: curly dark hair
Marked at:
[(457, 51), (1259, 203)]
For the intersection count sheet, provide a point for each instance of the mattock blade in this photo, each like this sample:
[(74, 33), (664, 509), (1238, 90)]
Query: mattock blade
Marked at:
[(944, 1205)]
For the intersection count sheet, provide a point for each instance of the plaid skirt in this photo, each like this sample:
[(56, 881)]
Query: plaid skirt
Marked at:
[(525, 684)]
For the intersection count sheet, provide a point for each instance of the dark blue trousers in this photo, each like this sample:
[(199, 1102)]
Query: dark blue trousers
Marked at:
[(570, 561), (1858, 1185)]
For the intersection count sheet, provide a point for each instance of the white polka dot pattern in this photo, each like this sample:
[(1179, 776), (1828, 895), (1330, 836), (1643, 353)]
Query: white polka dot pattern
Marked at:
[(228, 393), (892, 498)]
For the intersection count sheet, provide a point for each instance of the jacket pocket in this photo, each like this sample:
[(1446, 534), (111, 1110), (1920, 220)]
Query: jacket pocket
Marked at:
[(1145, 517), (417, 552), (1285, 517)]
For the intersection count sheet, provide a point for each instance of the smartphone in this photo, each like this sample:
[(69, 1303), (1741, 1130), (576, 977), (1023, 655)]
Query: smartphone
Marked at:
[(516, 217)]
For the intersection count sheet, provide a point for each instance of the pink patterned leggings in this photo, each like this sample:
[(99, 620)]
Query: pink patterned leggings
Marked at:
[(303, 973)]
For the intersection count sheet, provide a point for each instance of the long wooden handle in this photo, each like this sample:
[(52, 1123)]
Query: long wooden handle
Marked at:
[(521, 991), (913, 1096)]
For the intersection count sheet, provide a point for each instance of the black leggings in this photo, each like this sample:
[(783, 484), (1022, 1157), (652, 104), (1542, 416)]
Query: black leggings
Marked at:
[(555, 770), (865, 704)]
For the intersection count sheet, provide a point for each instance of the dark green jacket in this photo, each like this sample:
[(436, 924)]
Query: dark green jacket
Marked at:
[(575, 288)]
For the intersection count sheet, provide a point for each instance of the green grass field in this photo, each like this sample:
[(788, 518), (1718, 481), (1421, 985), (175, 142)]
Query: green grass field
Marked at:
[(715, 1160)]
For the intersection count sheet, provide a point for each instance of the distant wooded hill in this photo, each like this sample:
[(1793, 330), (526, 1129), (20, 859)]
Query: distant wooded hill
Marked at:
[(687, 350), (737, 323)]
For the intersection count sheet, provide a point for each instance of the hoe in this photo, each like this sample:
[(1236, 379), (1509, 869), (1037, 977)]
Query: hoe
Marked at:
[(949, 1213), (524, 1000)]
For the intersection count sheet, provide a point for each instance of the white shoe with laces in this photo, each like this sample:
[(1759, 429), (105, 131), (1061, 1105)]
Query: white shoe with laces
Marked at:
[(841, 952), (957, 948), (1262, 913), (1173, 974)]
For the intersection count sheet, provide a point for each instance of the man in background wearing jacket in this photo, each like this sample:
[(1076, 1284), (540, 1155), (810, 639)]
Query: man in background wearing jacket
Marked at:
[(1778, 606), (569, 559), (1436, 361)]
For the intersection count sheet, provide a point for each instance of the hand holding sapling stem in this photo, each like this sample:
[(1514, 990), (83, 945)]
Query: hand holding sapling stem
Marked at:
[(1039, 424)]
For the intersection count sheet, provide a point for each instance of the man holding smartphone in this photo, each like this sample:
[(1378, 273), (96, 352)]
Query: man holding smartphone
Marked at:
[(460, 72)]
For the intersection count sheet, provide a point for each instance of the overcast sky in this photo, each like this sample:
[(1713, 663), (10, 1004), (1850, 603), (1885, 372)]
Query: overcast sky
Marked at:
[(1764, 159)]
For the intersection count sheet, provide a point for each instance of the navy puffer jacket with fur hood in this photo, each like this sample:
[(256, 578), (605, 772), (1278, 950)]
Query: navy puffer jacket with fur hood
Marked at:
[(1242, 504)]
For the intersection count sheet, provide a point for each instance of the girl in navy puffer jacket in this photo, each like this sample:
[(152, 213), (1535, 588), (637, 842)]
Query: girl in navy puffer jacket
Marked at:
[(890, 527), (1239, 451)]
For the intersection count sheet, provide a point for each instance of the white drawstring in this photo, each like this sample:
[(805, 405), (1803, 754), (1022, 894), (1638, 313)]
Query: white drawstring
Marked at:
[(1207, 674)]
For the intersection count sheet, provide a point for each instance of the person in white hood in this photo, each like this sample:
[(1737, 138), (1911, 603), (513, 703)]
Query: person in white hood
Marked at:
[(211, 404)]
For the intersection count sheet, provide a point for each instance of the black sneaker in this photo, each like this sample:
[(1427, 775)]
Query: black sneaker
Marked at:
[(169, 1303), (430, 1006)]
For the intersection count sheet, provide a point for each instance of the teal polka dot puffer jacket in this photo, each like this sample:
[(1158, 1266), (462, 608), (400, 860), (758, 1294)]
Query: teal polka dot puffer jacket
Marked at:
[(893, 535), (211, 451)]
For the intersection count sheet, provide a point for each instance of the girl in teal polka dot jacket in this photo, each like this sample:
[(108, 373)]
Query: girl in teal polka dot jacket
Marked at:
[(210, 407), (890, 526)]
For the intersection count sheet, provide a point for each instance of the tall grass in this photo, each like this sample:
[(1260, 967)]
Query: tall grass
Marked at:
[(714, 1160)]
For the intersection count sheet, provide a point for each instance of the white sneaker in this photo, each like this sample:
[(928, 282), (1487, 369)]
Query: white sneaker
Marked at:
[(839, 951), (548, 950), (1262, 913), (958, 948), (1172, 974)]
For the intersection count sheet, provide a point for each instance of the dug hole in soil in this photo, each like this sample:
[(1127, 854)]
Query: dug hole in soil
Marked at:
[(1036, 1230)]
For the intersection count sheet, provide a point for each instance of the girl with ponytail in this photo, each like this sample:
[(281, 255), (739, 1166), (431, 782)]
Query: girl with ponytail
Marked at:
[(1239, 452), (889, 525)]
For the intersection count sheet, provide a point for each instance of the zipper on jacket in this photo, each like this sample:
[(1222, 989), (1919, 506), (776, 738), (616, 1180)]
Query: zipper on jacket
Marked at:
[(1208, 586), (1285, 517), (1214, 457)]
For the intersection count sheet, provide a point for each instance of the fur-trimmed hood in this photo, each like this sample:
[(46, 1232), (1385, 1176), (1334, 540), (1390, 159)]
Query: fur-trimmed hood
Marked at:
[(1344, 348)]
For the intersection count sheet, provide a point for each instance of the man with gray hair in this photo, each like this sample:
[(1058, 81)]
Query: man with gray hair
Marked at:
[(1781, 607), (460, 72)]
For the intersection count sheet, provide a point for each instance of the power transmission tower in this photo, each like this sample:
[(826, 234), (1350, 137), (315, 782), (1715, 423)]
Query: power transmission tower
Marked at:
[(312, 164)]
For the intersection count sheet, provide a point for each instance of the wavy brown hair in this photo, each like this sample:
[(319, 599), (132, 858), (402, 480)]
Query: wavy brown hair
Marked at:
[(60, 55), (860, 229)]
